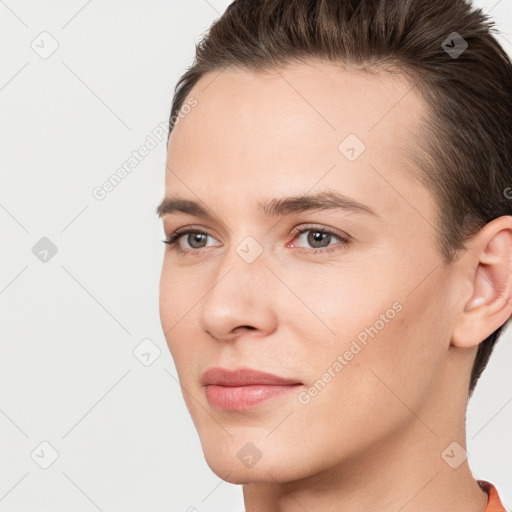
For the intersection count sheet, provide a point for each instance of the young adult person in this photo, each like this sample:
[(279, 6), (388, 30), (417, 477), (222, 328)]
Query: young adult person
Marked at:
[(338, 267)]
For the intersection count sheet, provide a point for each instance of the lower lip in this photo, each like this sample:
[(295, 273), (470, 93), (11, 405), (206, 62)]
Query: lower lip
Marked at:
[(239, 398)]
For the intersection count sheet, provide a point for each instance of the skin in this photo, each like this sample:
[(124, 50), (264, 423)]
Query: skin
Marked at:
[(373, 437)]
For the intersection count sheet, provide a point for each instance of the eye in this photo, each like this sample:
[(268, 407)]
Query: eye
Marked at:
[(196, 240), (320, 238)]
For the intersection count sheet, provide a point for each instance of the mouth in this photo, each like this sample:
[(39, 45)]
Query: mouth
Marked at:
[(244, 388)]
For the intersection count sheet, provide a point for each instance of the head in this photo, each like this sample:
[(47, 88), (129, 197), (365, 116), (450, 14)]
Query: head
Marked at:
[(349, 164)]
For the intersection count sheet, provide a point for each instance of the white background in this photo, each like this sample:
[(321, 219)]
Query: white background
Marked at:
[(124, 438)]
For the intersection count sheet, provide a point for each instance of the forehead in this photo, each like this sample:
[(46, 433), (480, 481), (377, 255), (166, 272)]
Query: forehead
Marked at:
[(287, 130)]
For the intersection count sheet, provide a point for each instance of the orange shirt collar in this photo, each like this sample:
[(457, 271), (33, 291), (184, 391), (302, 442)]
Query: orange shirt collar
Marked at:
[(494, 503)]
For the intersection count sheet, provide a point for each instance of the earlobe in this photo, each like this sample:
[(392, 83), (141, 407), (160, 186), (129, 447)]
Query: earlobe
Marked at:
[(490, 303)]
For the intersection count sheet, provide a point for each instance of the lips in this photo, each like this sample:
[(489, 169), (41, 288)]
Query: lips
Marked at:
[(242, 377), (243, 388)]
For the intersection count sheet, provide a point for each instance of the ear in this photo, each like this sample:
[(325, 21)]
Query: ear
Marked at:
[(489, 270)]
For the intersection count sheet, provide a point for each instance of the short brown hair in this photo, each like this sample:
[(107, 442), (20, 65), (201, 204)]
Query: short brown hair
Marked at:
[(464, 151)]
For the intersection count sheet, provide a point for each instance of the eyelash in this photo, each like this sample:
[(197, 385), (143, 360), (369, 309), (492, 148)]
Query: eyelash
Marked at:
[(173, 240)]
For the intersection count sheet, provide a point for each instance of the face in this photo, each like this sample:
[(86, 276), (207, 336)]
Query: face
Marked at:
[(346, 297)]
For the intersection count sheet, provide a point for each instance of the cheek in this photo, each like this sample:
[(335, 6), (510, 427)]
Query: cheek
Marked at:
[(364, 402), (179, 292), (338, 303), (381, 337), (176, 301)]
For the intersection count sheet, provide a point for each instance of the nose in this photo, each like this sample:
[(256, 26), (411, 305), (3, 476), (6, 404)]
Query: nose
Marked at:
[(240, 298)]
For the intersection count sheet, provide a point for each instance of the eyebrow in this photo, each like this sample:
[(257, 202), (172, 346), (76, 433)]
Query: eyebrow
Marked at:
[(321, 201)]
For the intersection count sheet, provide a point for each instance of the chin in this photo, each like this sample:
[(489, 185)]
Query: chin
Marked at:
[(228, 464), (240, 476)]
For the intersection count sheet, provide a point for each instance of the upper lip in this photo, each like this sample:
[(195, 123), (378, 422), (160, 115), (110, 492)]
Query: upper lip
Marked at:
[(242, 377)]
